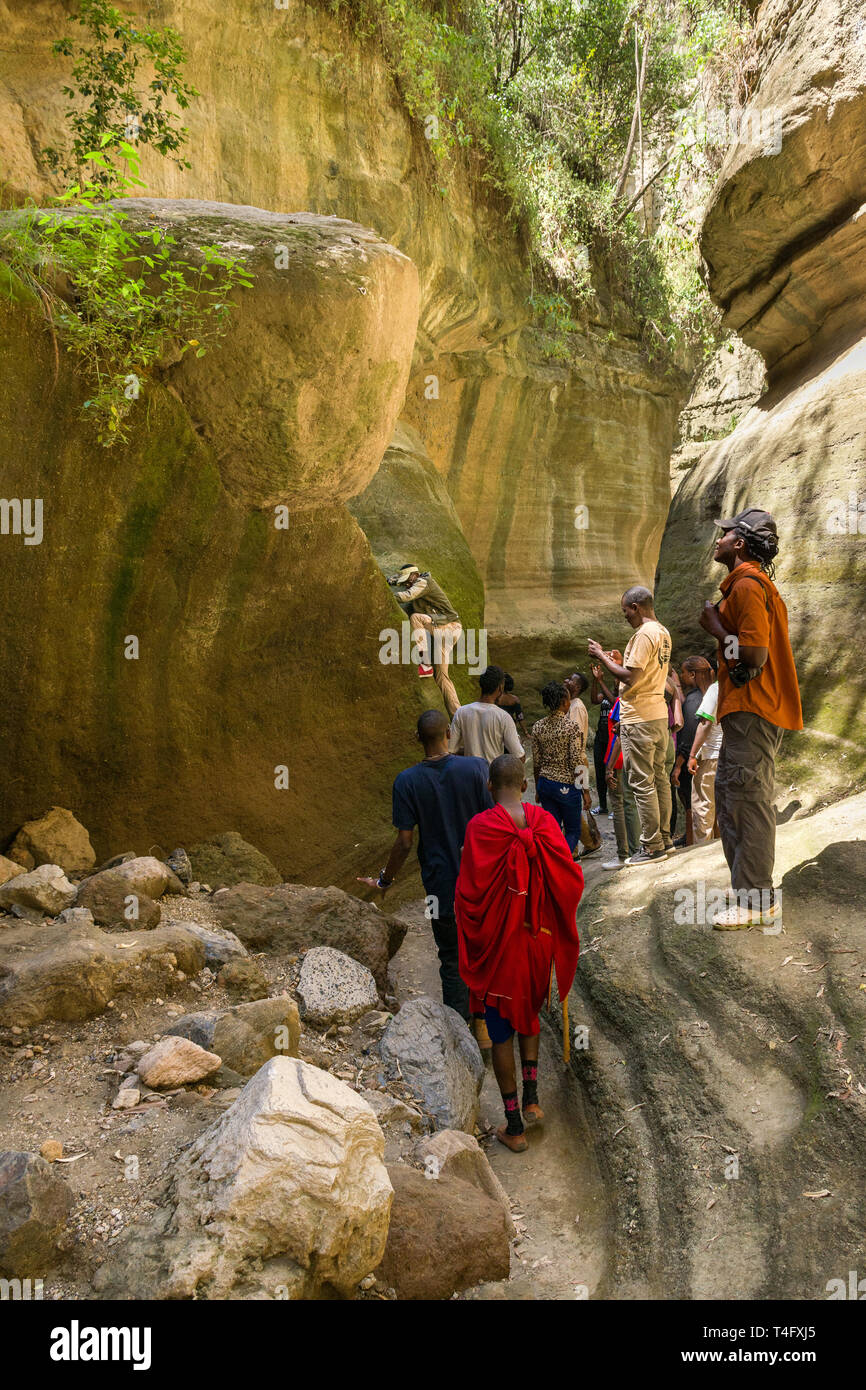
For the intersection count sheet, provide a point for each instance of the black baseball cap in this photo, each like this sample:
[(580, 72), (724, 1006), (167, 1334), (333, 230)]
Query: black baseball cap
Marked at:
[(753, 521)]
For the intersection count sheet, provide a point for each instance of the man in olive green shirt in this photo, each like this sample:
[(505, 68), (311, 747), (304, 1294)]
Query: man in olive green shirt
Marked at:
[(430, 612), (644, 719)]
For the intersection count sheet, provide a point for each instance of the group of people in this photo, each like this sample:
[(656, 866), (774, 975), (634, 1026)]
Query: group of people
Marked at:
[(500, 873)]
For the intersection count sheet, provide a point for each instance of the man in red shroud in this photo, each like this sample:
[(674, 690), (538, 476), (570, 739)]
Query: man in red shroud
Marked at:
[(515, 905)]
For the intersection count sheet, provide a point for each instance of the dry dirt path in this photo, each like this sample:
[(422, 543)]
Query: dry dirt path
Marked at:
[(556, 1185)]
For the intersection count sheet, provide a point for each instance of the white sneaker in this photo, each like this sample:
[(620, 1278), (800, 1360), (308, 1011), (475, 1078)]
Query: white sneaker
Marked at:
[(771, 920), (736, 918), (614, 864)]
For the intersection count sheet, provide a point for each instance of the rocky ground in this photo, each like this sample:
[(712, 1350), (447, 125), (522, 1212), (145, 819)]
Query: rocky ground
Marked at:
[(171, 1140)]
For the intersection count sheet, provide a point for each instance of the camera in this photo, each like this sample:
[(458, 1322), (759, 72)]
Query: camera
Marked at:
[(741, 674)]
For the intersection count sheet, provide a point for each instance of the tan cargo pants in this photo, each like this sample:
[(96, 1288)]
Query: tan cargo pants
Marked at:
[(644, 749), (441, 639), (704, 800)]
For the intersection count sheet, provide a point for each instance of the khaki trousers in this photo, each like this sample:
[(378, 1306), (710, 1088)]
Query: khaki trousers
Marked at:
[(441, 637), (644, 749), (745, 792), (704, 800)]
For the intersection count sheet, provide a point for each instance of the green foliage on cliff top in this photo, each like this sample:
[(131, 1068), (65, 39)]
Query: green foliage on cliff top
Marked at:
[(124, 301), (540, 97)]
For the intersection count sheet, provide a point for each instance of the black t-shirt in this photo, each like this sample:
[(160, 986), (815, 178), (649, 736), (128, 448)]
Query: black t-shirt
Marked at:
[(686, 736), (441, 796), (601, 728)]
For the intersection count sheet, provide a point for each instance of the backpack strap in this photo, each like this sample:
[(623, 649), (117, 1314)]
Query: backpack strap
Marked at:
[(758, 581)]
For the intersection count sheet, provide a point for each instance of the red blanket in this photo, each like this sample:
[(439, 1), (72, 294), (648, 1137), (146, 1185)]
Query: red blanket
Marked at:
[(515, 904)]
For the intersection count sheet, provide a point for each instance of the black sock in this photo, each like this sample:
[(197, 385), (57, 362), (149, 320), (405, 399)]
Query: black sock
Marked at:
[(512, 1114), (530, 1084)]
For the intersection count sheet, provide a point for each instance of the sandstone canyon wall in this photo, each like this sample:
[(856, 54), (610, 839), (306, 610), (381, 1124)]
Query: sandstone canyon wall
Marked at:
[(784, 241), (294, 114)]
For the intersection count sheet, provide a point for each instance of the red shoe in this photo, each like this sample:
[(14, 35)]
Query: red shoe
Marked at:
[(532, 1114), (425, 671), (517, 1143)]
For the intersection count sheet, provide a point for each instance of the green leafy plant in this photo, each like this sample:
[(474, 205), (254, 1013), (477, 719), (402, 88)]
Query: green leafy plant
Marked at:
[(120, 297), (554, 105), (108, 96)]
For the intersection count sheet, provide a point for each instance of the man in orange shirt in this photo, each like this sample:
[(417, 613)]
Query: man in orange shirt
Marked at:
[(758, 699)]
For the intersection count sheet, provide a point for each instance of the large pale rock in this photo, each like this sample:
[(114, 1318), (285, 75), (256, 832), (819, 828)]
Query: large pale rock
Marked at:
[(333, 988), (64, 971), (55, 838), (451, 1153), (285, 1196), (247, 1035), (445, 1235), (784, 235), (46, 889), (176, 1062), (227, 859), (34, 1204), (293, 917), (439, 1060)]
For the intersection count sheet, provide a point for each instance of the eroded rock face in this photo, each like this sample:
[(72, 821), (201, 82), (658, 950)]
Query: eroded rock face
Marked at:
[(187, 556), (800, 453), (285, 1196), (784, 242), (519, 436), (735, 1044), (784, 236)]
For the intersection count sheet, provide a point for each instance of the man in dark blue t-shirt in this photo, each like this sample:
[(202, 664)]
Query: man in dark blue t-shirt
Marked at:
[(440, 795)]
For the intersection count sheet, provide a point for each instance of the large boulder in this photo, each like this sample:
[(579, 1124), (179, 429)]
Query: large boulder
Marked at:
[(112, 903), (247, 1035), (285, 1196), (445, 1235), (439, 1060), (227, 859), (333, 988), (44, 890), (34, 1204), (55, 838), (65, 971), (286, 428), (144, 876), (292, 917), (452, 1153), (219, 946)]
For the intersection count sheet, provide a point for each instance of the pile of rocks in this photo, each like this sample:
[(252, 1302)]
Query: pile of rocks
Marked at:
[(343, 1160)]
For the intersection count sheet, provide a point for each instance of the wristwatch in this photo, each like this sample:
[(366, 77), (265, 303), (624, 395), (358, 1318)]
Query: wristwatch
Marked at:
[(387, 881)]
